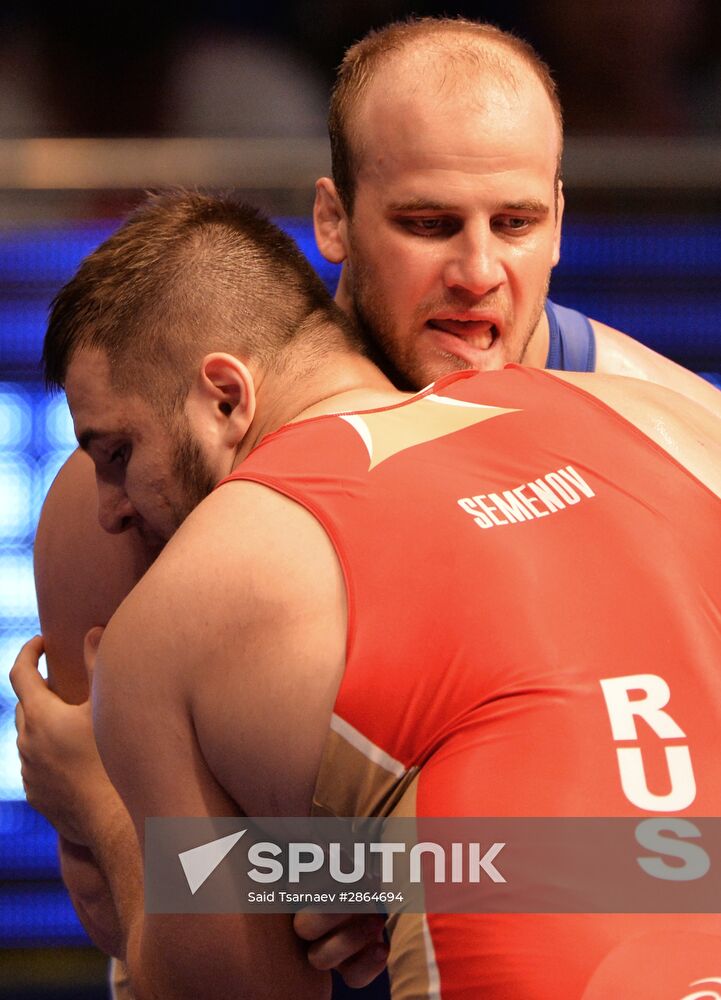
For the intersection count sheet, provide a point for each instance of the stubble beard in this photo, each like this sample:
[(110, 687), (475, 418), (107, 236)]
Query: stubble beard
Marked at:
[(372, 318), (191, 471), (535, 322), (397, 362)]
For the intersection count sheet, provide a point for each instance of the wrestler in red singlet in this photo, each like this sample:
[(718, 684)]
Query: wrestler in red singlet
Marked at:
[(508, 544)]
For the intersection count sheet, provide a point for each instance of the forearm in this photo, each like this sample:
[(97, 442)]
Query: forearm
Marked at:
[(150, 971), (91, 896), (193, 957), (117, 893)]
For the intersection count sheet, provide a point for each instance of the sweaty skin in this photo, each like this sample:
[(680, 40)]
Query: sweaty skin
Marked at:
[(444, 217), (291, 588), (83, 573), (201, 743), (619, 354), (486, 229)]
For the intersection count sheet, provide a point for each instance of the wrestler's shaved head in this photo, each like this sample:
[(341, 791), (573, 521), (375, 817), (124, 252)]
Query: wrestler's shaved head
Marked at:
[(443, 54), (188, 274)]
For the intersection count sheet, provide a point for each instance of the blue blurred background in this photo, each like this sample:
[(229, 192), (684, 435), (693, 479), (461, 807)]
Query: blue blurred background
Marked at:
[(641, 248)]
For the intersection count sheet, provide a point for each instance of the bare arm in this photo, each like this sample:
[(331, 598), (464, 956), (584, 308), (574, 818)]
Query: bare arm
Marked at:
[(618, 354), (237, 635), (91, 896), (82, 575)]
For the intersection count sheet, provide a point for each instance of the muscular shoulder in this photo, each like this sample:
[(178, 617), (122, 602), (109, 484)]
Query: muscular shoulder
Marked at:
[(246, 554), (619, 354), (242, 622), (682, 427), (183, 721)]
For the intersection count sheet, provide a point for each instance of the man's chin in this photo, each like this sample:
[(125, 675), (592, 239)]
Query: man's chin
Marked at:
[(438, 364), (457, 353)]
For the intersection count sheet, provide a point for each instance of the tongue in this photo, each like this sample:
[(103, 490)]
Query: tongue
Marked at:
[(477, 334)]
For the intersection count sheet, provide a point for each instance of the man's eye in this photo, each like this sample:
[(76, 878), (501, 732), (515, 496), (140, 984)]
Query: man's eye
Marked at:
[(118, 456), (429, 226), (516, 224)]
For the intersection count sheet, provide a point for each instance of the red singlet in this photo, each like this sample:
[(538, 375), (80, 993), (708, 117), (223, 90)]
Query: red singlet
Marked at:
[(534, 607)]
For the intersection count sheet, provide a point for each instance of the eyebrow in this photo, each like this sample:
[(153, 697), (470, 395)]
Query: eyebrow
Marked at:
[(530, 205), (421, 204), (533, 206)]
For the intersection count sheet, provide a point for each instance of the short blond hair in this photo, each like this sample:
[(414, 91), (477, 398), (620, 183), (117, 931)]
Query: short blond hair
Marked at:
[(363, 60)]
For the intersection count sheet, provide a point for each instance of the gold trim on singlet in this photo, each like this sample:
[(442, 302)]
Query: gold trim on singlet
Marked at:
[(358, 778)]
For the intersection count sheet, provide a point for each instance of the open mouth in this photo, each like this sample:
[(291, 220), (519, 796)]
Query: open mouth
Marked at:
[(479, 335)]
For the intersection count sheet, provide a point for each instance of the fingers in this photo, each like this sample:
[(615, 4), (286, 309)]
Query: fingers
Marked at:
[(310, 926), (90, 649), (365, 966), (352, 946), (24, 676)]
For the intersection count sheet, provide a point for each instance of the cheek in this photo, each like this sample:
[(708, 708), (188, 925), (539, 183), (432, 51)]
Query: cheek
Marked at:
[(400, 291), (398, 273), (143, 494), (411, 272), (147, 483), (530, 269)]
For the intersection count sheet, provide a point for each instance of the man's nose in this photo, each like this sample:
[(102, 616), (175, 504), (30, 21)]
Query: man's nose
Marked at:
[(476, 262), (115, 511)]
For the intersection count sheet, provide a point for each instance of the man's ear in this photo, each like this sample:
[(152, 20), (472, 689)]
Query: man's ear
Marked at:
[(559, 219), (223, 396), (330, 222)]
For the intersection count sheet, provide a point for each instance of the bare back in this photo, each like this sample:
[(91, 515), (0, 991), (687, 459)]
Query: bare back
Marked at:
[(619, 354), (688, 431)]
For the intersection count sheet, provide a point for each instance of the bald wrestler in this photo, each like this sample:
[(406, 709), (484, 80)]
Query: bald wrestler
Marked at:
[(445, 209), (358, 580)]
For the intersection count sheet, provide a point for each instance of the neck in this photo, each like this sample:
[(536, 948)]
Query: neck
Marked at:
[(344, 381), (343, 297)]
